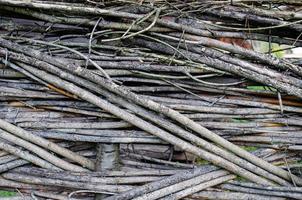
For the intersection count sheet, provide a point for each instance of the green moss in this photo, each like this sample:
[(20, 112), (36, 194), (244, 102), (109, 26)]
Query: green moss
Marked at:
[(7, 193), (260, 88), (299, 162), (200, 161), (276, 49), (249, 148), (240, 120), (241, 179)]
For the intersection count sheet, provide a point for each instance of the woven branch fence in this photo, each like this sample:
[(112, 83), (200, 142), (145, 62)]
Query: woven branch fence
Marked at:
[(150, 99)]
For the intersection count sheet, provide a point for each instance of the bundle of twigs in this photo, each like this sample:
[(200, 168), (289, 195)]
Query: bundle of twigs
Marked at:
[(143, 92)]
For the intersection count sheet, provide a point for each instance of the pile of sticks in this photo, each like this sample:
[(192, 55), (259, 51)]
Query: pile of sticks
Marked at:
[(150, 100)]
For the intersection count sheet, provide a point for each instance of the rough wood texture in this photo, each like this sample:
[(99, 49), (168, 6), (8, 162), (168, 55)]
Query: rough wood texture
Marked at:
[(150, 99)]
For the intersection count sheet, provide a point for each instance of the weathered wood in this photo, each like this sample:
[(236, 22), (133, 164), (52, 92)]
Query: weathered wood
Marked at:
[(170, 86)]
